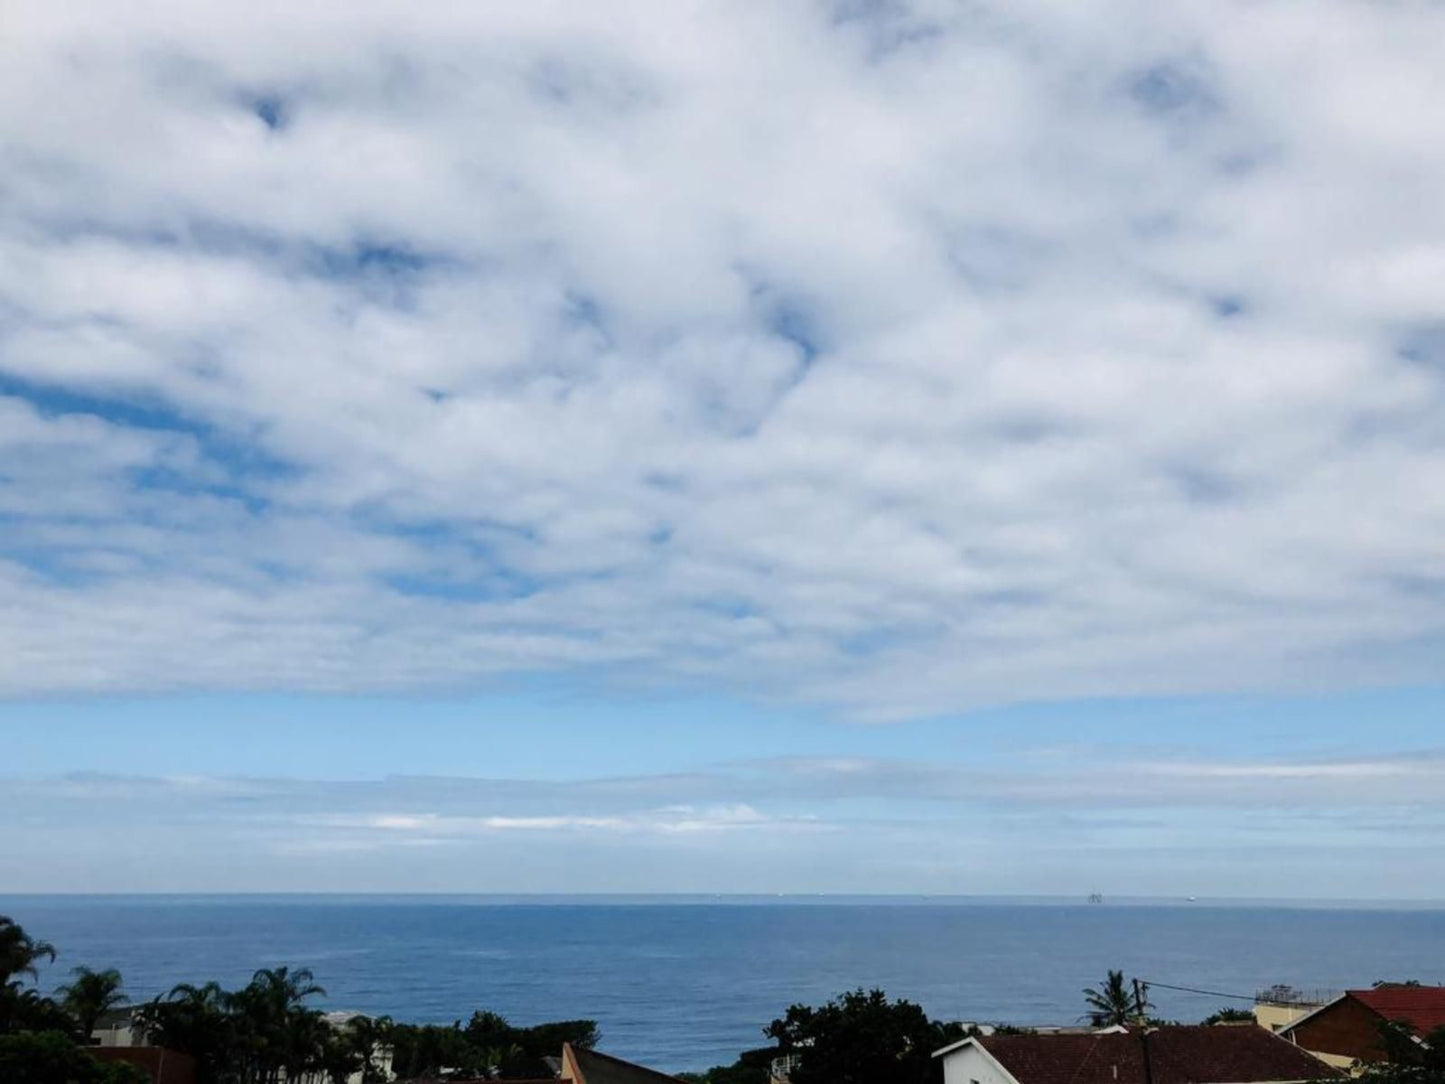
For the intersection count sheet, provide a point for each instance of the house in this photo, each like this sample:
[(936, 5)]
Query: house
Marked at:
[(1176, 1054), (159, 1065), (576, 1066), (1278, 1006), (581, 1066), (116, 1027), (1347, 1029)]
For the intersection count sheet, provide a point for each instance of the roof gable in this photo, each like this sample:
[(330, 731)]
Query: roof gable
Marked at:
[(1422, 1007), (594, 1067)]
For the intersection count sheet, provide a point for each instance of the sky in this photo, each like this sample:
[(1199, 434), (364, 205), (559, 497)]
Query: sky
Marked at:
[(939, 447)]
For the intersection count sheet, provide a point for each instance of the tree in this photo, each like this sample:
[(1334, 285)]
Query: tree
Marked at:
[(339, 1058), (1114, 1001), (274, 1032), (89, 995), (422, 1049), (858, 1038), (19, 953), (1407, 1059), (22, 1008), (366, 1036), (752, 1067), (28, 1010), (1229, 1015), (194, 1020), (50, 1057)]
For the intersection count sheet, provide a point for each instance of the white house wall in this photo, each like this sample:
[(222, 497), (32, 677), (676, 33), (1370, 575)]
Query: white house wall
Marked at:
[(969, 1065)]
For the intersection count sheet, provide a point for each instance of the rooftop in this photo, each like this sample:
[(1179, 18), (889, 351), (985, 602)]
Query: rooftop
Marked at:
[(594, 1067), (1422, 1007), (1195, 1054)]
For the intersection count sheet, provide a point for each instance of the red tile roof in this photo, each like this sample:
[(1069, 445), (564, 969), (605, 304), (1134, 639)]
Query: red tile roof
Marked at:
[(1177, 1055), (1422, 1007)]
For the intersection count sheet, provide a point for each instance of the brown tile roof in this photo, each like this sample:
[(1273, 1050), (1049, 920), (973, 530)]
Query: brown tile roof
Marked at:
[(1422, 1007), (594, 1067), (1177, 1055)]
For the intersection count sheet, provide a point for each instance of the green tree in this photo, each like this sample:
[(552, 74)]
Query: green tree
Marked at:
[(752, 1067), (366, 1037), (89, 995), (1229, 1015), (274, 1032), (542, 1039), (28, 1010), (858, 1038), (22, 1008), (50, 1057), (339, 1058), (1114, 1001), (194, 1020), (422, 1050), (19, 954), (1407, 1059)]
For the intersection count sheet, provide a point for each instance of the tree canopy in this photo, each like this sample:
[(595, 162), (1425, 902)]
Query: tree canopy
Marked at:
[(91, 994), (861, 1037), (1116, 1001)]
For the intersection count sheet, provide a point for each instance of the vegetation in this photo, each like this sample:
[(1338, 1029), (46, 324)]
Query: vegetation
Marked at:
[(40, 1039), (90, 995), (51, 1057), (1407, 1060), (1116, 1002), (486, 1045), (19, 954), (264, 1032), (1229, 1016), (861, 1038), (750, 1068)]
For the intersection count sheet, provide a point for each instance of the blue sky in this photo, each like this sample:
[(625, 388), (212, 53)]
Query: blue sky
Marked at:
[(830, 447)]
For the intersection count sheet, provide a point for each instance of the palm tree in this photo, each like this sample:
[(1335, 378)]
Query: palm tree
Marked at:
[(1113, 1002), (194, 1020), (367, 1037), (339, 1058), (304, 1042), (273, 1025), (283, 990), (90, 995), (19, 953)]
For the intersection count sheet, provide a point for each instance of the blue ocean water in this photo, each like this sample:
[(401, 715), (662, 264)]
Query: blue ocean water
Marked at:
[(687, 984)]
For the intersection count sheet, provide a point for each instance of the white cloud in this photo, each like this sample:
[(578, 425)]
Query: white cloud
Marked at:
[(903, 358), (1249, 827)]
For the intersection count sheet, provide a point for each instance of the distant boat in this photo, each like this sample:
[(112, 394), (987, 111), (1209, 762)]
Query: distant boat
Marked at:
[(1096, 897)]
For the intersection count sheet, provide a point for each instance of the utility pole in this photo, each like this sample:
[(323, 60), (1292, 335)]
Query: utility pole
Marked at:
[(1141, 1001), (1140, 1006)]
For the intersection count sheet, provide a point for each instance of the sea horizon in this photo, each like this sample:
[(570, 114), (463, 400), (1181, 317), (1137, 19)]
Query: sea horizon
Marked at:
[(643, 899)]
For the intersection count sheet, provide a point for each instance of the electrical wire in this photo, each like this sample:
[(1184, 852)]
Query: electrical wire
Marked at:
[(1196, 990)]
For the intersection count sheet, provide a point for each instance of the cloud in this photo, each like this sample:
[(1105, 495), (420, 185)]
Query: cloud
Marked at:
[(1048, 824), (900, 358)]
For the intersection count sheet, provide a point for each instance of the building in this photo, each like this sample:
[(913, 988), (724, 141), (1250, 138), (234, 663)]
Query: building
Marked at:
[(1279, 1006), (576, 1065), (581, 1066), (160, 1065), (117, 1028), (1347, 1029), (1197, 1054)]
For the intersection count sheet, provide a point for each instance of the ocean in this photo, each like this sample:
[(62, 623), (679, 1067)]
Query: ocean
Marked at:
[(682, 984)]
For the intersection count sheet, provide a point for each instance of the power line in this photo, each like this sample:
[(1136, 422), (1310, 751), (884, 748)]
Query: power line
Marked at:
[(1195, 990)]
